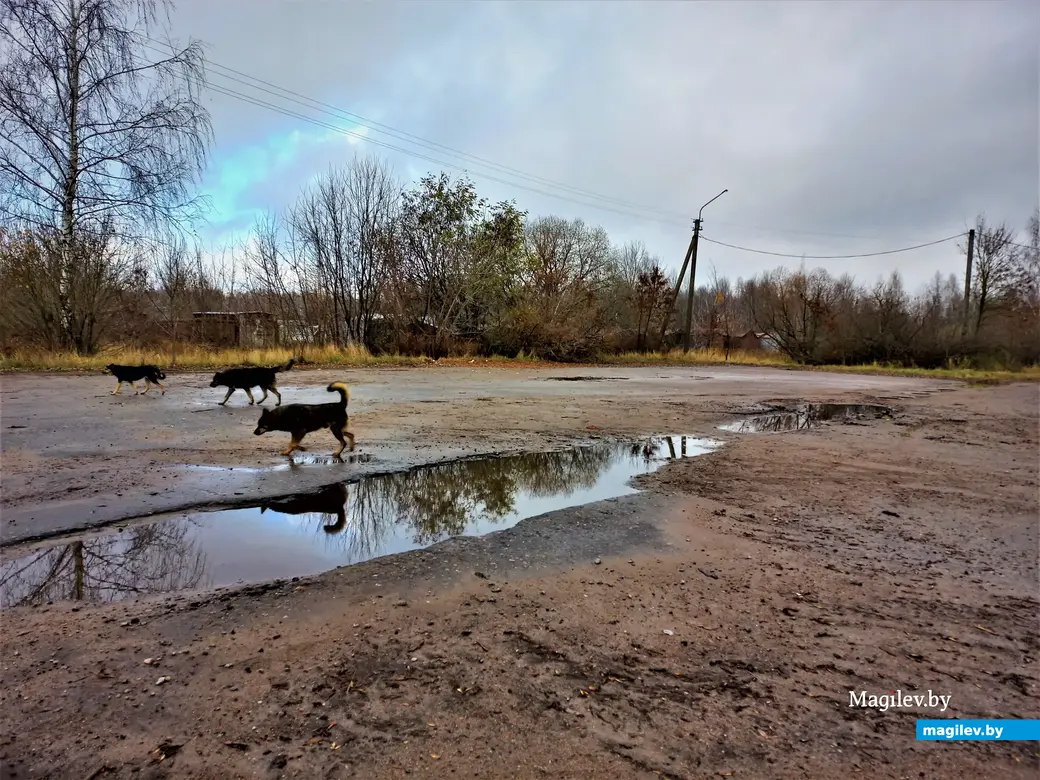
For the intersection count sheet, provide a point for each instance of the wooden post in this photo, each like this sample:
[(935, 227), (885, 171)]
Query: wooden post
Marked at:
[(967, 283), (690, 288), (675, 293)]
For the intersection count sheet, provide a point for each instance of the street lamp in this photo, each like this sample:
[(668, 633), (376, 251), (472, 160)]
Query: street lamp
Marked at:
[(693, 272)]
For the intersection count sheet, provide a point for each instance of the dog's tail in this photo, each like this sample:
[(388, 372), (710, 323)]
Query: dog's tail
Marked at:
[(160, 373), (342, 389), (286, 367)]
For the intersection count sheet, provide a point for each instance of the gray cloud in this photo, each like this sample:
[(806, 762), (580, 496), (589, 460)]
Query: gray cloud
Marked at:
[(892, 122)]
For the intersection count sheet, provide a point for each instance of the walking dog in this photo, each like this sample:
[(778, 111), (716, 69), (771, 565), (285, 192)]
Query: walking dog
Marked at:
[(131, 374), (301, 419), (249, 377)]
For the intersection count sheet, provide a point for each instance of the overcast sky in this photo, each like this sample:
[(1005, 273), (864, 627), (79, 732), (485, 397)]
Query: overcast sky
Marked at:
[(838, 127)]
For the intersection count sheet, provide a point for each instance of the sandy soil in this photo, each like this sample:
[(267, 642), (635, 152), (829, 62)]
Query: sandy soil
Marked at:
[(739, 599)]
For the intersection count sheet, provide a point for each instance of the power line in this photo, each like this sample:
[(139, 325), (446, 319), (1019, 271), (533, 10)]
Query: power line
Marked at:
[(362, 137), (792, 231), (833, 257), (663, 216), (339, 113), (1021, 246)]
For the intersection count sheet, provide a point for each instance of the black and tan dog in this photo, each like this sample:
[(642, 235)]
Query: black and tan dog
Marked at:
[(301, 419), (330, 501), (131, 374), (249, 377)]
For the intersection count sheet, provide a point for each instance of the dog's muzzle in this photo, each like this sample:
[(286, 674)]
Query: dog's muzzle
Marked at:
[(212, 384), (260, 431)]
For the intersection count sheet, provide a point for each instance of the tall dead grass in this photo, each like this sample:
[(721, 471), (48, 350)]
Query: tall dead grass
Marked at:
[(197, 358)]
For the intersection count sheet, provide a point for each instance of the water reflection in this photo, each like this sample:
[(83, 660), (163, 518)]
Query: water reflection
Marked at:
[(337, 525), (804, 417), (156, 558)]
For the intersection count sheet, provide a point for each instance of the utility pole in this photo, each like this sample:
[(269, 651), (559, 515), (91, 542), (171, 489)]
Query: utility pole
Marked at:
[(967, 283), (693, 272), (689, 294), (675, 294)]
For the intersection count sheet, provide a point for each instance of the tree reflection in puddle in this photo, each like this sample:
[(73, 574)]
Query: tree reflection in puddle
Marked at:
[(337, 525), (153, 558)]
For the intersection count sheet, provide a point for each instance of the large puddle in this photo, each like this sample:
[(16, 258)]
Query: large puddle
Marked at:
[(806, 416), (339, 525)]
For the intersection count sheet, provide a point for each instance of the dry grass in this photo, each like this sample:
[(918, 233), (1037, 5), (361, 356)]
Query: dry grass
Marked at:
[(971, 375), (196, 358), (777, 360), (697, 357), (192, 357)]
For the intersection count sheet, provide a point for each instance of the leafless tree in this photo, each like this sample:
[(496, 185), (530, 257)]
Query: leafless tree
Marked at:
[(96, 134), (33, 264), (174, 276), (343, 223), (795, 308), (996, 258)]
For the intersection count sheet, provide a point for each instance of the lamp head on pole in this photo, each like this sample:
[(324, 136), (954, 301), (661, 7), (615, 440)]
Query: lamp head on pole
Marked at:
[(710, 201)]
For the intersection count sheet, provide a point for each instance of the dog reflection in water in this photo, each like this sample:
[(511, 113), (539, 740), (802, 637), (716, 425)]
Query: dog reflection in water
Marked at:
[(330, 500)]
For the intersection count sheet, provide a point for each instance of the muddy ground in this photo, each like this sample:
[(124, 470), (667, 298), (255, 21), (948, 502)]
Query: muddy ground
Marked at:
[(738, 598)]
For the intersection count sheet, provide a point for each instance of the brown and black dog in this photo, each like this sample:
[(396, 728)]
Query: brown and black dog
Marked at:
[(330, 500), (131, 374), (248, 377), (301, 419)]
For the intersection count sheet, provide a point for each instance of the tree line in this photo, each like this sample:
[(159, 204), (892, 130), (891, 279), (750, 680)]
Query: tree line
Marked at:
[(101, 150)]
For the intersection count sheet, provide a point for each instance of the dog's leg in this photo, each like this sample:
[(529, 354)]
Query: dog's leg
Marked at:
[(340, 432), (226, 397), (134, 385), (275, 391), (161, 387), (265, 395), (339, 437), (119, 387), (147, 386), (249, 392), (294, 444)]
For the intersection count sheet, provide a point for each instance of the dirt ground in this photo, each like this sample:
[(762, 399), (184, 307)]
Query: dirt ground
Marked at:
[(737, 601)]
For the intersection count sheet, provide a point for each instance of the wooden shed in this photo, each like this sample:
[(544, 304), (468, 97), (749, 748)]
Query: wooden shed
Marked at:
[(235, 328)]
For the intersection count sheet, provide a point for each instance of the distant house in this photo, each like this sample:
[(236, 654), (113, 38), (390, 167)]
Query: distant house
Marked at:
[(746, 342), (754, 341), (235, 328)]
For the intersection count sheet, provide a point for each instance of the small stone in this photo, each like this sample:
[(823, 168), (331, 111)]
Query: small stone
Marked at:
[(401, 603), (669, 632), (597, 561), (162, 680)]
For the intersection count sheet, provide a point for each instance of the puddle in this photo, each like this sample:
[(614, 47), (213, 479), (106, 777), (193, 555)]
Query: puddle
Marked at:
[(295, 462), (338, 525), (587, 378), (806, 416)]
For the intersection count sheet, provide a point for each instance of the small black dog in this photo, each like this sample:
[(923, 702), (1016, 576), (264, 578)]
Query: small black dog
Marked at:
[(130, 374), (249, 377), (301, 419)]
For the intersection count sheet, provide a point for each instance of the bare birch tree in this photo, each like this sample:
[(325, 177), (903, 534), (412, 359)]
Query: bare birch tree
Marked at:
[(96, 128)]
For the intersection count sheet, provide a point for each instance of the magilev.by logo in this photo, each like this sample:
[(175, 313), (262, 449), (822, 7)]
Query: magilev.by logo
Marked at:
[(897, 699)]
